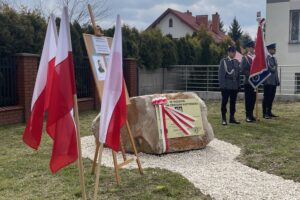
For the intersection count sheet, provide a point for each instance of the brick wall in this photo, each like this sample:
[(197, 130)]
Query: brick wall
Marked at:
[(131, 76), (27, 66), (11, 115)]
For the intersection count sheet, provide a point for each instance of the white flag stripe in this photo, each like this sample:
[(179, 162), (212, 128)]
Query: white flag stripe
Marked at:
[(48, 53), (179, 116), (163, 136), (178, 111), (64, 37), (113, 83)]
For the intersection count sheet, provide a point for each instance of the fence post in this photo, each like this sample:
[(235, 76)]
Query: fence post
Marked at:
[(131, 76), (280, 80), (186, 79), (27, 67)]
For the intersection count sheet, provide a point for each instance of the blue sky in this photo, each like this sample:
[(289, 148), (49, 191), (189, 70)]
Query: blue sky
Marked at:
[(141, 13)]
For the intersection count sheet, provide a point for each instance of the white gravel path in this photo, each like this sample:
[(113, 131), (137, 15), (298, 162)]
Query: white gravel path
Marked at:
[(214, 171)]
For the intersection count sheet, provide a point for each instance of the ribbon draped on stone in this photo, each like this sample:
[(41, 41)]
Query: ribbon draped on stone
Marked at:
[(182, 120)]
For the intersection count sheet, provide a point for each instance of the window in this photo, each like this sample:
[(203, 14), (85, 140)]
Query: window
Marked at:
[(297, 83), (171, 22), (295, 26)]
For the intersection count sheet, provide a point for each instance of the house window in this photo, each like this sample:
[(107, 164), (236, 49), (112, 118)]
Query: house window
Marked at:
[(297, 83), (171, 22), (295, 26)]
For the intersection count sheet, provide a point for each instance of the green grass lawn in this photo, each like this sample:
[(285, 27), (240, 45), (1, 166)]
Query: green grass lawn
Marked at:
[(270, 145), (25, 174)]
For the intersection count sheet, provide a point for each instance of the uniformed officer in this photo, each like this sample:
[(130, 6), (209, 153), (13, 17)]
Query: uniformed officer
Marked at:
[(250, 94), (271, 83), (229, 81)]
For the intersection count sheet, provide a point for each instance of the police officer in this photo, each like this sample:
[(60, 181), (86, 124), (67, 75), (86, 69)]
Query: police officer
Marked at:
[(271, 83), (229, 81), (250, 95)]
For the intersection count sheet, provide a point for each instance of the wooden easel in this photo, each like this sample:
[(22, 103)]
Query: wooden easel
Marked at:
[(99, 147)]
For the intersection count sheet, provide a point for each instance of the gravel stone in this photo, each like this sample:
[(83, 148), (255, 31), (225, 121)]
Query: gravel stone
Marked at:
[(213, 170)]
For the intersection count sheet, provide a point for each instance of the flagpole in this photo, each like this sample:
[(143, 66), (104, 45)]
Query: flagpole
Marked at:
[(80, 163), (98, 171), (256, 105), (258, 19)]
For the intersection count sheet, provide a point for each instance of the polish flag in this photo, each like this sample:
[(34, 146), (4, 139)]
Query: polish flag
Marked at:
[(113, 106), (60, 122), (33, 131)]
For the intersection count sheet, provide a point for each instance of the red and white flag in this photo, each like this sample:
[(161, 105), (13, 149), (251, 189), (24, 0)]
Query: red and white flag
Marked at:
[(113, 106), (259, 70), (60, 122), (34, 127)]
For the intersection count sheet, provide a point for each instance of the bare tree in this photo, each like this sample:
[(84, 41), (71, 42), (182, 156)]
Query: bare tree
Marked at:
[(78, 9)]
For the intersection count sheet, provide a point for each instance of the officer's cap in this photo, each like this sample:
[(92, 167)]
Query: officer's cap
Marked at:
[(250, 44), (231, 49), (271, 46)]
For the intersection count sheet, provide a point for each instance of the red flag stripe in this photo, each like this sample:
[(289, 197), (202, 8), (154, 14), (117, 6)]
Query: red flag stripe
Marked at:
[(116, 123), (34, 127), (60, 123)]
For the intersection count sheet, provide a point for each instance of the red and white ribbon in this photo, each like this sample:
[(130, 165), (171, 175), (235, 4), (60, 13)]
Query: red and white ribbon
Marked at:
[(182, 120)]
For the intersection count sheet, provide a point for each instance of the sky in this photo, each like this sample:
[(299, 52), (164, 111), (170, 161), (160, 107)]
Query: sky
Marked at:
[(141, 13)]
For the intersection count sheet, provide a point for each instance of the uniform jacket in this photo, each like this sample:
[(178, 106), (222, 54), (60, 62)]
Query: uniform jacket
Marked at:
[(229, 74), (273, 68), (245, 67)]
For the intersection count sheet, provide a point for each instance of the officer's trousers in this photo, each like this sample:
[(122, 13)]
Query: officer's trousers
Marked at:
[(226, 94), (269, 95), (250, 98)]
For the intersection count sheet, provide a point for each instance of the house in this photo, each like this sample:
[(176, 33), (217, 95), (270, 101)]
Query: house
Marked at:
[(178, 24), (283, 28)]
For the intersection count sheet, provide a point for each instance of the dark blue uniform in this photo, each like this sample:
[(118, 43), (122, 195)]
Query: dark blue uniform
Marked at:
[(229, 82), (270, 86), (250, 94)]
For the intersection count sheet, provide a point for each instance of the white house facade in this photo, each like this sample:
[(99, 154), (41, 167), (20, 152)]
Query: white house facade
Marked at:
[(171, 24), (283, 28), (179, 24)]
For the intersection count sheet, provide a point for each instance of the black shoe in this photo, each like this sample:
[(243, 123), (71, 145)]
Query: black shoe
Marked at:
[(249, 120), (224, 123), (233, 121), (266, 116), (253, 118), (272, 115)]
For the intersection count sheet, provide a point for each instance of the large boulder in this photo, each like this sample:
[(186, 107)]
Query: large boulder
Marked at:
[(142, 120)]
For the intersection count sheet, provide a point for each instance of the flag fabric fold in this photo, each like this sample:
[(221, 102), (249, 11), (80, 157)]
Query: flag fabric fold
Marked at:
[(259, 71), (60, 122), (113, 105), (34, 127)]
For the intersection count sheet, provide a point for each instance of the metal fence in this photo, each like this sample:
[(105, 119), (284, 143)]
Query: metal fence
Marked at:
[(205, 78), (83, 77), (8, 82), (290, 79)]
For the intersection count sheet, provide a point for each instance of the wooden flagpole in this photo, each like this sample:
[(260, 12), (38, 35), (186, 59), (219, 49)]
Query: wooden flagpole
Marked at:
[(98, 170), (256, 105), (96, 31), (80, 163)]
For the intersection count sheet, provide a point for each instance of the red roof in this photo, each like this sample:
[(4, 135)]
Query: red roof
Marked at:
[(190, 21)]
